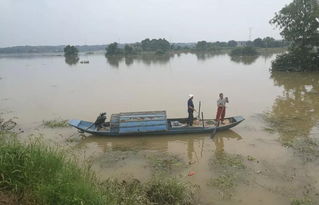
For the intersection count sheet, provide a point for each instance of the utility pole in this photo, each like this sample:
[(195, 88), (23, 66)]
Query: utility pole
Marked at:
[(250, 31)]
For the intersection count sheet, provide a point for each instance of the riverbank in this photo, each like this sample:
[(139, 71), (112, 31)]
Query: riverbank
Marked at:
[(35, 173)]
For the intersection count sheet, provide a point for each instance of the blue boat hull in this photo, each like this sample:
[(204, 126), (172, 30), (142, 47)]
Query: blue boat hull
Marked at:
[(89, 127)]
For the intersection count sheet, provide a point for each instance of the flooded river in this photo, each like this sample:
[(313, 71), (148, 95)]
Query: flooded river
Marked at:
[(270, 158)]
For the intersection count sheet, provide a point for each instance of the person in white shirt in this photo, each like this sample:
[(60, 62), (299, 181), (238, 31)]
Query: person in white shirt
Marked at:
[(221, 108)]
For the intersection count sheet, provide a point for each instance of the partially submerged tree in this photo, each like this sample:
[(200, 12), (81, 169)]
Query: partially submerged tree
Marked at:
[(70, 51), (159, 45), (299, 24), (113, 49), (128, 50), (71, 55)]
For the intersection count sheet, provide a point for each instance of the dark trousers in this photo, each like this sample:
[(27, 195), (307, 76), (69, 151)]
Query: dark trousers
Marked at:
[(190, 118)]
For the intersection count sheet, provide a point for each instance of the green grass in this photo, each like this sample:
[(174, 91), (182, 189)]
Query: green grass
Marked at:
[(223, 182), (162, 191), (46, 175), (55, 123), (304, 201), (43, 175)]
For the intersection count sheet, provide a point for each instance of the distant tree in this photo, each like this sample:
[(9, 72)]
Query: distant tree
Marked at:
[(113, 49), (128, 50), (71, 55), (201, 45), (160, 45), (146, 44), (269, 42), (232, 43), (220, 44), (299, 24), (258, 42), (249, 43), (70, 51)]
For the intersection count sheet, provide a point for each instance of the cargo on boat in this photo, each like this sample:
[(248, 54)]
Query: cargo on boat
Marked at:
[(152, 123)]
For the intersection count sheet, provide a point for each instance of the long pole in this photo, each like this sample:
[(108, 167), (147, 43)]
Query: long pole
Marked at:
[(200, 103), (203, 119)]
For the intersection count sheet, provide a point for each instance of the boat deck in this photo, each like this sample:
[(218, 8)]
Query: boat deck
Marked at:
[(199, 123), (196, 123)]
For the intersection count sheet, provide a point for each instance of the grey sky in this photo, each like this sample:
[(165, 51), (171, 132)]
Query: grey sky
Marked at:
[(55, 22)]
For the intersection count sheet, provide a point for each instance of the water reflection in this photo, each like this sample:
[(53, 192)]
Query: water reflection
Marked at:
[(204, 55), (192, 145), (149, 59), (129, 60), (71, 60), (114, 61), (221, 137), (246, 60), (146, 59), (295, 113)]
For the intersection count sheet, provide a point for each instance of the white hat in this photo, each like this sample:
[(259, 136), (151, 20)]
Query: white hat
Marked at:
[(190, 95)]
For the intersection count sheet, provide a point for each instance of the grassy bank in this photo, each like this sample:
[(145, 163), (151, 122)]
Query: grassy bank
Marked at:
[(37, 174)]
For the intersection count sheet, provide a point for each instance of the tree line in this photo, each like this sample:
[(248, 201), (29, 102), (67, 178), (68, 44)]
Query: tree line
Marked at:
[(161, 46)]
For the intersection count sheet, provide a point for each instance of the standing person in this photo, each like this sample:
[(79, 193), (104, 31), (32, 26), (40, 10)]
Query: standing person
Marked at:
[(221, 108), (190, 109)]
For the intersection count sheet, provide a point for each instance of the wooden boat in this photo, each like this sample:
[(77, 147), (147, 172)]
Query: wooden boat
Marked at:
[(152, 123)]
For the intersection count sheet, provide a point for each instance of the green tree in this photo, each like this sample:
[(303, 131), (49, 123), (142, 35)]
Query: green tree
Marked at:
[(201, 45), (258, 42), (71, 55), (232, 43), (158, 45), (146, 44), (269, 42), (299, 24), (113, 49), (70, 51), (128, 50)]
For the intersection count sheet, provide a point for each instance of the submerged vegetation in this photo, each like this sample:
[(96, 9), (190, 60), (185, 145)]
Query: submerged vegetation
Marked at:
[(229, 169), (228, 162), (55, 123), (306, 148), (165, 163)]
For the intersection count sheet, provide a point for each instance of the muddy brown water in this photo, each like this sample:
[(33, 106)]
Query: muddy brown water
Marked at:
[(278, 108)]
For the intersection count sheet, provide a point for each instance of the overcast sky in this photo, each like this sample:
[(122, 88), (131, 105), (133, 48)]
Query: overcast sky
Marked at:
[(56, 22)]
